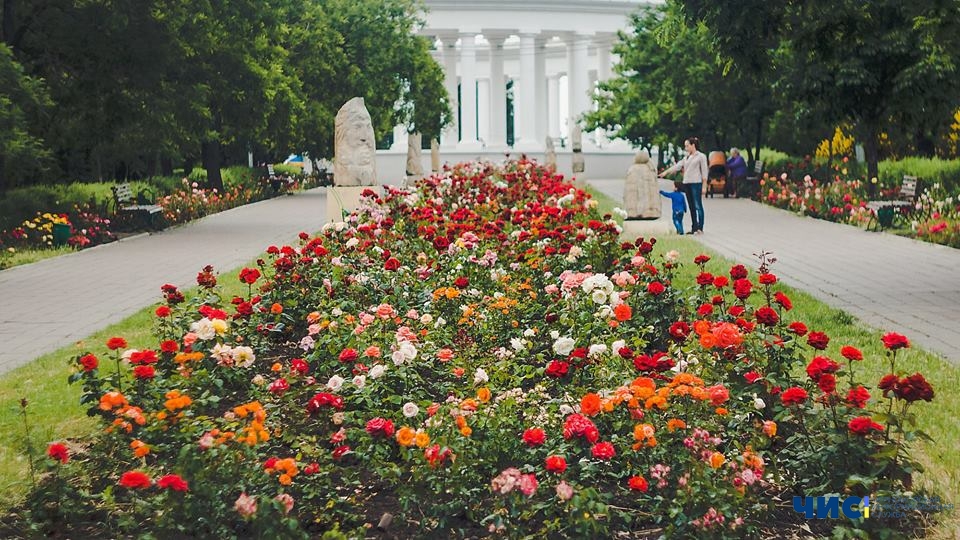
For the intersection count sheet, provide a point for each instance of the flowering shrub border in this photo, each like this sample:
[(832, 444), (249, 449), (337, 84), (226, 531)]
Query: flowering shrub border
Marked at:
[(483, 356)]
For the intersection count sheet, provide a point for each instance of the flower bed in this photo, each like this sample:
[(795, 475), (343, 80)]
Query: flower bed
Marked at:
[(842, 198), (478, 356)]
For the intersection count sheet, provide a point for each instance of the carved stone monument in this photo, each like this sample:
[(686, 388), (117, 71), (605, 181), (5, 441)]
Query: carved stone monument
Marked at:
[(576, 143), (355, 152), (435, 155), (414, 166), (354, 162), (641, 191), (550, 157)]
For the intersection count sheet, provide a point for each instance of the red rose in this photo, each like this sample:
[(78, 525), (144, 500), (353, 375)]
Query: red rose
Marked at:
[(736, 311), (888, 383), (720, 282), (169, 346), (461, 282), (914, 388), (206, 278), (144, 372), (135, 480), (380, 426), (340, 451), (655, 288), (162, 311), (827, 383), (115, 343), (279, 386), (312, 468), (851, 353), (143, 357), (820, 365), (738, 272), (577, 425), (704, 310), (557, 369), (534, 437), (249, 275), (704, 279), (894, 341), (818, 340), (298, 365), (703, 258), (679, 331), (767, 316), (783, 300), (863, 425), (717, 300), (793, 396), (324, 399), (857, 397), (603, 450), (348, 355), (638, 483), (59, 452), (89, 362), (441, 243), (767, 279), (391, 264), (742, 288), (752, 376), (172, 482), (556, 464), (798, 328)]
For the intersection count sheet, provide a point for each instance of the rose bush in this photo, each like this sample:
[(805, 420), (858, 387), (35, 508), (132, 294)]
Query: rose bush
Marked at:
[(480, 355)]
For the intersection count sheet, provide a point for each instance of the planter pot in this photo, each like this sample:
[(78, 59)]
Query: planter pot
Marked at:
[(61, 233)]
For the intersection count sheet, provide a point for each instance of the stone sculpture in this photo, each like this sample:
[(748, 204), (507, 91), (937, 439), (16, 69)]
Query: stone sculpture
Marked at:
[(414, 166), (355, 162), (435, 155), (576, 143), (641, 191), (550, 158)]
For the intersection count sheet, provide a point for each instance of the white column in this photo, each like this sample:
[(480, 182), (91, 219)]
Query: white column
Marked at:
[(525, 118), (604, 44), (540, 91), (449, 137), (577, 77), (468, 92), (498, 96), (400, 137), (553, 106), (483, 111)]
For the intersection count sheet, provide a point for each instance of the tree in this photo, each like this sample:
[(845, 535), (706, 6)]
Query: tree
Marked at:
[(22, 100), (667, 90)]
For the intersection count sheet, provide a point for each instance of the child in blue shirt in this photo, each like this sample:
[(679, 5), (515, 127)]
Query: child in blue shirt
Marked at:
[(679, 205)]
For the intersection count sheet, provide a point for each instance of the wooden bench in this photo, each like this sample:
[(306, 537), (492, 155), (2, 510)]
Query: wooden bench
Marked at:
[(126, 202), (883, 212)]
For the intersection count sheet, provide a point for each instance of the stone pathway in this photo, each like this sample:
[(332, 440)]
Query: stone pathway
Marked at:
[(56, 302), (889, 282)]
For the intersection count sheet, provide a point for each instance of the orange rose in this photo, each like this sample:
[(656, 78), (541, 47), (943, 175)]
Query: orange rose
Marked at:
[(717, 460), (590, 404)]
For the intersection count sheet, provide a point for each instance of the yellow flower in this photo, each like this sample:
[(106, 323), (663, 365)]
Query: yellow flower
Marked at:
[(483, 395), (422, 439), (406, 436)]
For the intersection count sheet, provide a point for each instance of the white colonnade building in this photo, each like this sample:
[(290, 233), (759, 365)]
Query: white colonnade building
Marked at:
[(535, 62)]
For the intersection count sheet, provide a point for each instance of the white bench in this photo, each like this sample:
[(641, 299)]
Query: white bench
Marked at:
[(883, 212), (127, 203)]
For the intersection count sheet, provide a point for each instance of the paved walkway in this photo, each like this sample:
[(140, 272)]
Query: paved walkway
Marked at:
[(55, 302), (889, 282)]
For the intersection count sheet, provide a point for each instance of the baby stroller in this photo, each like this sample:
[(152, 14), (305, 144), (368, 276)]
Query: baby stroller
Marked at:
[(717, 173)]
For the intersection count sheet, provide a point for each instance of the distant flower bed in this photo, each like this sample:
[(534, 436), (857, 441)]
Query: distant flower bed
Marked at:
[(840, 198), (81, 228), (478, 356)]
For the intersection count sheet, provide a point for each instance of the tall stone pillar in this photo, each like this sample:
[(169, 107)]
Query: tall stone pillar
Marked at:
[(468, 92), (525, 118), (540, 89), (577, 76), (449, 138), (498, 96), (553, 106)]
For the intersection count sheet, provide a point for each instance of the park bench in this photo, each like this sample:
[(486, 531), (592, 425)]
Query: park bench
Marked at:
[(751, 184), (277, 181), (138, 206), (882, 213)]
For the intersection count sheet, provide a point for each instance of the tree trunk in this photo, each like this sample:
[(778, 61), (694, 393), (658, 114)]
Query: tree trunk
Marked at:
[(210, 153), (6, 30), (759, 136), (166, 166), (872, 152)]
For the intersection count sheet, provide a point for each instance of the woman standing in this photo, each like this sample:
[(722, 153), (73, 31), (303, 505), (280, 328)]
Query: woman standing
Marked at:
[(694, 167)]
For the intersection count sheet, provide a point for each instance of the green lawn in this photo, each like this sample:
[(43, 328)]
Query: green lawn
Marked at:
[(54, 412), (9, 259)]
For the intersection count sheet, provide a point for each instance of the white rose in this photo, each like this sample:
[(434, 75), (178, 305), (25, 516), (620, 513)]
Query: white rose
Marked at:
[(426, 318), (563, 346), (360, 380), (398, 357), (598, 296), (554, 334), (480, 376), (516, 343), (596, 350), (377, 371), (410, 409), (529, 332), (759, 404), (617, 345), (335, 383), (566, 409), (408, 350)]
